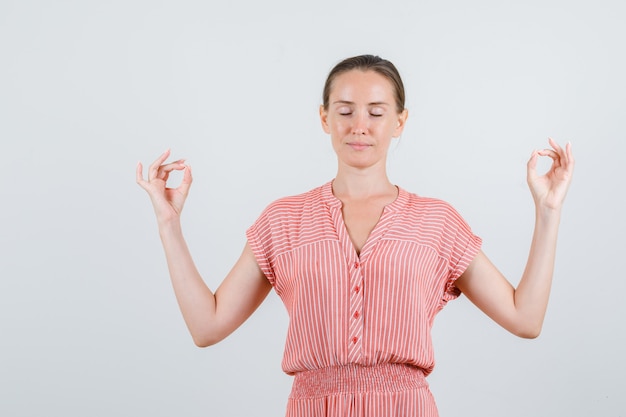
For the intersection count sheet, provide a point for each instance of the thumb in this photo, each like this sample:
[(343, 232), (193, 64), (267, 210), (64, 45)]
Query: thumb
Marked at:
[(139, 175), (187, 180), (531, 166)]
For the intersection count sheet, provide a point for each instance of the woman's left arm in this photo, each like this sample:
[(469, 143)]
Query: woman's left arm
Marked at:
[(521, 310)]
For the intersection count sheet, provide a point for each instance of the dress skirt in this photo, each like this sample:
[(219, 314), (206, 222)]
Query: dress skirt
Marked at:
[(385, 390)]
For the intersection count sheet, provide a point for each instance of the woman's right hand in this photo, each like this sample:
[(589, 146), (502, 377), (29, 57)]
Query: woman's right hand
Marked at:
[(168, 202)]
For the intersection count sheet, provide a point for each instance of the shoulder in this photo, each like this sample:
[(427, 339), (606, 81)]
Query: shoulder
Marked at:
[(432, 208), (295, 203), (426, 216), (295, 220), (436, 223), (306, 210)]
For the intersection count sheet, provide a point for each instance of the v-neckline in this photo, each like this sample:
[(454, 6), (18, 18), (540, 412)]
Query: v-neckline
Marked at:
[(382, 225)]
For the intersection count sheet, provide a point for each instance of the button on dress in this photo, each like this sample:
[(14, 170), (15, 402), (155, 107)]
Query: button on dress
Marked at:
[(359, 336)]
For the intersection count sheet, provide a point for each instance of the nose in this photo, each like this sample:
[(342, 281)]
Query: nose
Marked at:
[(360, 125)]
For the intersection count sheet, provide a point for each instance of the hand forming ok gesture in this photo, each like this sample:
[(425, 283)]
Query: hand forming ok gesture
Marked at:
[(168, 202), (549, 190)]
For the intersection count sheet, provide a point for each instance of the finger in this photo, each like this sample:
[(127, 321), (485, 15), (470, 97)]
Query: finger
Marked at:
[(548, 152), (562, 153), (139, 174), (139, 171), (567, 164), (186, 182), (152, 171), (555, 157), (178, 161), (555, 145), (567, 156), (164, 170), (532, 165)]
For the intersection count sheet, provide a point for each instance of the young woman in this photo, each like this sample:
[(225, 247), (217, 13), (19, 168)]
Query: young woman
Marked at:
[(362, 265)]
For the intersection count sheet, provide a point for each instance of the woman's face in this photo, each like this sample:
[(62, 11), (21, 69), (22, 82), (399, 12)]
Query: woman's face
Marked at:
[(362, 118)]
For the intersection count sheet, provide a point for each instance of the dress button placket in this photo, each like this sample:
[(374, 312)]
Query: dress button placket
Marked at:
[(356, 314)]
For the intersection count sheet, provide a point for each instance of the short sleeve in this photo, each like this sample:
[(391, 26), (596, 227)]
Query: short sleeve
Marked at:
[(464, 245), (260, 238)]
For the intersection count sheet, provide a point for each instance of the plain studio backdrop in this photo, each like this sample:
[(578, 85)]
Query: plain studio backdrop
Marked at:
[(89, 325)]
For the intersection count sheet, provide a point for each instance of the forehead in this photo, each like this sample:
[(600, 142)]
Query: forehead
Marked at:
[(357, 85)]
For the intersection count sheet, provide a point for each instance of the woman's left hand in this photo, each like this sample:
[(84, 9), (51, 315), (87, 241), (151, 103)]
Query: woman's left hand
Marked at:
[(549, 190)]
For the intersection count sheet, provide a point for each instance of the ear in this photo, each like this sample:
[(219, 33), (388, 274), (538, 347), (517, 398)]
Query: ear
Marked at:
[(324, 119), (402, 116)]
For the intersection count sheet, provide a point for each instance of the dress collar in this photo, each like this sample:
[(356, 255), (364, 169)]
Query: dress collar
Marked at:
[(396, 205)]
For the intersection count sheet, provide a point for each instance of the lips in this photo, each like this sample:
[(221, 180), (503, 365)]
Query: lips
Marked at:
[(358, 146)]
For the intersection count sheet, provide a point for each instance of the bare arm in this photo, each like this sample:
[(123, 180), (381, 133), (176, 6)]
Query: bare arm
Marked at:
[(521, 310), (209, 316)]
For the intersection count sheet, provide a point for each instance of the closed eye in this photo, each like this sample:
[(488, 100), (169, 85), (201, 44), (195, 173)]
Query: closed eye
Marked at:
[(344, 110), (377, 111)]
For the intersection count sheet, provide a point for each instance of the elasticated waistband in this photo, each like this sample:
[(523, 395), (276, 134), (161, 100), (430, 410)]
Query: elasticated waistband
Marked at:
[(353, 378)]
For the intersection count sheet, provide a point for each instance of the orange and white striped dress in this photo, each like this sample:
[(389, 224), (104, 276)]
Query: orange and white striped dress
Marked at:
[(359, 336)]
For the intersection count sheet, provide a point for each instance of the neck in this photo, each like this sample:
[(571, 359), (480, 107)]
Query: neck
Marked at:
[(351, 183)]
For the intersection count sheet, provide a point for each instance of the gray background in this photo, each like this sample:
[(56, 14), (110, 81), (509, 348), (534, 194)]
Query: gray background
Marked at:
[(88, 322)]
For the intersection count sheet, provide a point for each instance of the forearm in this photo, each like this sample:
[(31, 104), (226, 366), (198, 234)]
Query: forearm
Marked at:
[(533, 290), (241, 292), (521, 310), (195, 299)]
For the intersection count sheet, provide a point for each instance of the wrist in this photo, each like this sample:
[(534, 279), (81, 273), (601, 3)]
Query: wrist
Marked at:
[(169, 226), (548, 214)]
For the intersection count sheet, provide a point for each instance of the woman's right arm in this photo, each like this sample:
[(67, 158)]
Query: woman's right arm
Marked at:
[(209, 316)]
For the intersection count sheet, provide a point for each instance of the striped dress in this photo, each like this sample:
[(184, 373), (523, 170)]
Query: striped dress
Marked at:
[(359, 337)]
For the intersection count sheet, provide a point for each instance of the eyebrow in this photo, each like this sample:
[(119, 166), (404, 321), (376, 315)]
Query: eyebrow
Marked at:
[(374, 103)]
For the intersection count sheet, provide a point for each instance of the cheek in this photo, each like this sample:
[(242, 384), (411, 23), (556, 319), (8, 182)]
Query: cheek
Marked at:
[(339, 125)]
